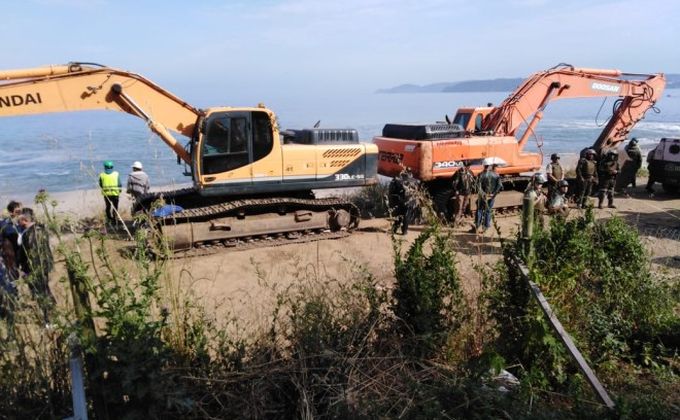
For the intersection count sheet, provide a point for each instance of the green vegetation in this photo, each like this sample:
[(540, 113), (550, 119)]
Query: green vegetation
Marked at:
[(351, 348)]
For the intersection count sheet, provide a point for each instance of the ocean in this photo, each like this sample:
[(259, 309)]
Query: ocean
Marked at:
[(64, 152)]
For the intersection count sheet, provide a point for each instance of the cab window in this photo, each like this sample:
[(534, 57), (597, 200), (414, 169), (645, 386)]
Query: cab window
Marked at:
[(225, 147), (263, 141), (462, 119), (478, 122)]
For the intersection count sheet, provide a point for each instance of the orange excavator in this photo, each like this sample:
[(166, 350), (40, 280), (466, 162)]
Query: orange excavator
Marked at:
[(434, 152), (251, 180)]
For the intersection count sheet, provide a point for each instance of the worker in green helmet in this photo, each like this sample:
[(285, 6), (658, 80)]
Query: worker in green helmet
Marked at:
[(109, 182)]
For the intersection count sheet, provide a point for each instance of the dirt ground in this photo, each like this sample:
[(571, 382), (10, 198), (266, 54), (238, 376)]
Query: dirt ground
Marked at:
[(245, 277), (242, 283)]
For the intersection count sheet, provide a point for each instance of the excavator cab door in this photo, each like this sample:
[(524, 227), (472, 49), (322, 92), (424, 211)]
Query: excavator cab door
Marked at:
[(225, 150)]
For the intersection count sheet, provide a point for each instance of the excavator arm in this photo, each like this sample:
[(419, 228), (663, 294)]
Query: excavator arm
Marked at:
[(637, 93), (79, 87)]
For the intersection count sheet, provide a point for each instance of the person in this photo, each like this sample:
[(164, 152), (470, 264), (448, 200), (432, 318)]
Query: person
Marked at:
[(35, 259), (558, 203), (109, 182), (653, 168), (586, 177), (488, 186), (607, 170), (398, 202), (555, 174), (463, 185), (630, 167), (137, 181), (535, 191), (9, 236)]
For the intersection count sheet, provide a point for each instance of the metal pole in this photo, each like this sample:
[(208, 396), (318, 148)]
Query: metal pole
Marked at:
[(77, 385)]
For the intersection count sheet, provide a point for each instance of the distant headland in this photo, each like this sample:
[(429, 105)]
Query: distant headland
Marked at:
[(488, 85)]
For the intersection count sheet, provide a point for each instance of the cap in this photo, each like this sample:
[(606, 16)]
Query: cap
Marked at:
[(137, 165), (554, 156), (108, 164)]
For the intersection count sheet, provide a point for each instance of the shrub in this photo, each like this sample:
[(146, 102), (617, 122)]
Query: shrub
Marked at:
[(427, 294), (596, 276)]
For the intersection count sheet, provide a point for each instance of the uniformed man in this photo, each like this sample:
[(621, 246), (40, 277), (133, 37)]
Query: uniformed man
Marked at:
[(630, 167), (463, 185), (398, 202), (607, 170), (653, 168), (488, 186), (586, 177), (109, 182), (558, 203), (555, 174)]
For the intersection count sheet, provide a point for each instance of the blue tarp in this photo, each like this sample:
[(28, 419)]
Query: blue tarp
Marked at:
[(167, 210)]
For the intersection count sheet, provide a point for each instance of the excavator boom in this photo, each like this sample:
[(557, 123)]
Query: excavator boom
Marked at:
[(79, 87), (637, 93)]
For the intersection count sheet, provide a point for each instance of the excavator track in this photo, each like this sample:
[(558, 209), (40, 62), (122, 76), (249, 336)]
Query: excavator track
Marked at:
[(252, 222), (268, 241)]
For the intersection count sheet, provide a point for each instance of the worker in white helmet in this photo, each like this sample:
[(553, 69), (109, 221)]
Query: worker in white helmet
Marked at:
[(138, 181)]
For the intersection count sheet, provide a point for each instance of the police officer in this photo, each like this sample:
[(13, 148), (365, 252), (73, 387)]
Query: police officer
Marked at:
[(109, 182), (463, 185), (607, 170), (488, 186), (558, 203), (586, 177), (398, 202), (630, 167), (555, 174)]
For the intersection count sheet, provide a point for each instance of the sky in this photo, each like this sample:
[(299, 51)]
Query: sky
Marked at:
[(206, 50)]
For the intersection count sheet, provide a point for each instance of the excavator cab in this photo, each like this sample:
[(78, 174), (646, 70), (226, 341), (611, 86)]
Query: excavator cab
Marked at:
[(471, 119)]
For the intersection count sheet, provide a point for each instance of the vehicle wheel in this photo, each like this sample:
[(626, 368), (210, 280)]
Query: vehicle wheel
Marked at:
[(670, 189)]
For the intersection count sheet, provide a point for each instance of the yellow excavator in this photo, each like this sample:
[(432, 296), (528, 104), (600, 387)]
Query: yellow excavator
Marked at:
[(251, 181)]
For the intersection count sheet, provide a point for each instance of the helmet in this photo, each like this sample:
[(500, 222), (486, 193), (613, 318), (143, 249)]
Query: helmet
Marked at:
[(108, 164), (539, 178), (590, 152), (554, 156), (137, 165), (633, 140), (563, 183)]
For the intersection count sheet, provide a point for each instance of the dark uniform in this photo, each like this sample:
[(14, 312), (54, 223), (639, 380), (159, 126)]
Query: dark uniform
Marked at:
[(653, 168), (463, 185), (630, 167), (35, 259), (489, 185), (607, 170), (586, 177), (555, 175), (398, 202)]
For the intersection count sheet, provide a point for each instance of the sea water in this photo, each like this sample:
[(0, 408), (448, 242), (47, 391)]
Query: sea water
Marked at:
[(64, 151)]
